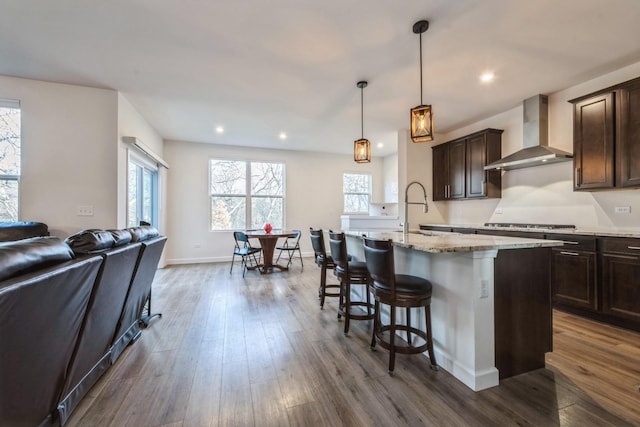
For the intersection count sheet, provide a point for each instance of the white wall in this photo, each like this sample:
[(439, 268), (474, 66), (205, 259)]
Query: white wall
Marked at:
[(313, 192), (544, 194), (69, 156)]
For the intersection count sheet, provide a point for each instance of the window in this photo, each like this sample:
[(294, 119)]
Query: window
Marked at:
[(357, 192), (245, 195), (9, 159), (142, 192)]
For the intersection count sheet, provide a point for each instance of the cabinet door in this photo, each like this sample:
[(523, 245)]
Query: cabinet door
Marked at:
[(628, 140), (573, 278), (593, 139), (476, 160), (440, 171), (620, 288), (457, 166)]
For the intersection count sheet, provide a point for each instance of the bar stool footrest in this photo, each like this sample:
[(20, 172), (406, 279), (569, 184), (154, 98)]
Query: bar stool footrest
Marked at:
[(358, 310), (401, 346)]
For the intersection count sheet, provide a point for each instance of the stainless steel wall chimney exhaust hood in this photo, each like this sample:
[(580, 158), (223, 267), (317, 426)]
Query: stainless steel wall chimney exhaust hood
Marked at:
[(535, 136)]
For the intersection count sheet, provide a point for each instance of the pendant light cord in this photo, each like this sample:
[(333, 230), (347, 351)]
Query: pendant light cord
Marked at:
[(362, 112), (421, 103)]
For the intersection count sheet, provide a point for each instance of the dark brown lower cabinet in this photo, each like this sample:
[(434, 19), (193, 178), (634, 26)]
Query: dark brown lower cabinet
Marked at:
[(573, 278), (574, 272), (620, 277)]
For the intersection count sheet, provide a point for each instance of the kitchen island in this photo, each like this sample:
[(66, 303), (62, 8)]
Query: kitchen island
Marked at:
[(491, 305)]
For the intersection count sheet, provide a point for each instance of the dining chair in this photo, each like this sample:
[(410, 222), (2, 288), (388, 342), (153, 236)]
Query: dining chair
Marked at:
[(244, 250), (290, 246)]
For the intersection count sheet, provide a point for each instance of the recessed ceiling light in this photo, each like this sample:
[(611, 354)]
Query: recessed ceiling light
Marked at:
[(219, 129), (487, 77), (380, 145), (282, 135)]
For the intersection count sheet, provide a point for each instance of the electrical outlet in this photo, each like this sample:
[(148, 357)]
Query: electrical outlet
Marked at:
[(498, 211), (84, 211), (484, 289), (623, 209)]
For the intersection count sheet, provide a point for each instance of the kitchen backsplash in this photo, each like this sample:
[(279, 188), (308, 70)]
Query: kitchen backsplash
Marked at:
[(383, 209)]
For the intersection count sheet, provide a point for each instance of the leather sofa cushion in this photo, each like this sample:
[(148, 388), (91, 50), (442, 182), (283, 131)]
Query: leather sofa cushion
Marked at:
[(142, 233), (120, 237), (88, 241), (23, 256), (10, 231)]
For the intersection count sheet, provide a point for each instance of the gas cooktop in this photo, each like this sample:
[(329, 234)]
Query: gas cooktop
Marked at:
[(534, 226)]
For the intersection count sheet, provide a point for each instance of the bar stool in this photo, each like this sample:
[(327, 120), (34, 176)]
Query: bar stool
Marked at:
[(397, 290), (350, 273), (325, 262)]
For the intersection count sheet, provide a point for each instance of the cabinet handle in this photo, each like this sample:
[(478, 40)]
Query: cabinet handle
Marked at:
[(634, 247), (569, 253), (625, 256), (577, 177), (571, 243)]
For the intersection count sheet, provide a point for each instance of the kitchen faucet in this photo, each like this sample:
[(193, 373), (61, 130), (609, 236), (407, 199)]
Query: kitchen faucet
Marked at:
[(405, 224)]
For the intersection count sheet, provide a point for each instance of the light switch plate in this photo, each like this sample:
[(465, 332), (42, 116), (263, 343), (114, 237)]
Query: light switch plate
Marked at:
[(623, 209), (84, 211), (484, 288)]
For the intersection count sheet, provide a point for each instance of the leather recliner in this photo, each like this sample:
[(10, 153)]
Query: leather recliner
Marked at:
[(92, 356), (139, 293), (43, 299)]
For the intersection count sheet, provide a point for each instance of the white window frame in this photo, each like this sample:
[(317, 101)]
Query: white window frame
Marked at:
[(247, 194), (14, 104), (368, 193), (143, 161)]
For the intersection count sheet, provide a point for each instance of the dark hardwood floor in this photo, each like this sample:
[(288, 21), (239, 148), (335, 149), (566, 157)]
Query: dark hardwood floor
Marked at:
[(258, 351)]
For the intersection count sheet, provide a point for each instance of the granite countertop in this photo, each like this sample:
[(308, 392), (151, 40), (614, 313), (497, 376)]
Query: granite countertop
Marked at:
[(440, 242), (593, 231), (368, 217)]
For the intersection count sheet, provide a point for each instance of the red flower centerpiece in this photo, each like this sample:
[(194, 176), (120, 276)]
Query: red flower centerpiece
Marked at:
[(267, 228)]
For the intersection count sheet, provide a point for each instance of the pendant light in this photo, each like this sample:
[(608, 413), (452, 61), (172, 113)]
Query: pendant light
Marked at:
[(362, 146), (421, 116)]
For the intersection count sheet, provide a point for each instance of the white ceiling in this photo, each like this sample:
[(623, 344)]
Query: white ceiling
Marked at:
[(259, 67)]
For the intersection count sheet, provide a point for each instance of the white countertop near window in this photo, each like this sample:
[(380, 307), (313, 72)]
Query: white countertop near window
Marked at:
[(370, 222)]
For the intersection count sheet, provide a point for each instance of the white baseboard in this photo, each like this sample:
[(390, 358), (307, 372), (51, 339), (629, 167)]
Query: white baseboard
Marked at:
[(207, 260)]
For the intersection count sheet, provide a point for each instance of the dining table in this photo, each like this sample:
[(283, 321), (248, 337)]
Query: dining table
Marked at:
[(268, 243)]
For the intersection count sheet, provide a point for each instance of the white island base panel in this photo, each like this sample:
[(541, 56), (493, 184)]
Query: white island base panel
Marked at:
[(462, 309)]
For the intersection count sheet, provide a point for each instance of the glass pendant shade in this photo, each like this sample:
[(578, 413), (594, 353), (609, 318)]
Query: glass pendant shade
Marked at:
[(362, 151), (421, 123)]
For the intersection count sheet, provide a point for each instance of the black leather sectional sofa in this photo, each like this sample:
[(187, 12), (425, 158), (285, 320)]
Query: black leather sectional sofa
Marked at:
[(68, 309)]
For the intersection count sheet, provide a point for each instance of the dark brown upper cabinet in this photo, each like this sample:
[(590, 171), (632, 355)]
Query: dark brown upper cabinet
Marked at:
[(458, 167), (606, 138)]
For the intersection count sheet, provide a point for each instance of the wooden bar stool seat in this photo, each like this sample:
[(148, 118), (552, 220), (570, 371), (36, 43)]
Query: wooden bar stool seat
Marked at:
[(349, 273), (398, 290)]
